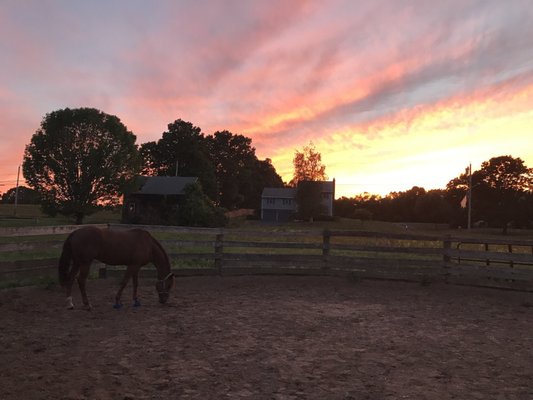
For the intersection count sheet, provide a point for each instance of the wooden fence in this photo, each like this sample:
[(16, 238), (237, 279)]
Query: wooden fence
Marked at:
[(358, 254)]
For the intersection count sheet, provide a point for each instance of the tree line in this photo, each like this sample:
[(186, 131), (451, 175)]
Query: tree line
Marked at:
[(501, 196), (80, 160)]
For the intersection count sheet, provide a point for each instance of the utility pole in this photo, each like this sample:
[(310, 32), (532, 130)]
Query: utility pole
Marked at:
[(17, 193), (469, 225)]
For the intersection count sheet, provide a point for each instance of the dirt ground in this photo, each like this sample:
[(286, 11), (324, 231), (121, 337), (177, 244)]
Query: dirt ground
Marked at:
[(267, 337)]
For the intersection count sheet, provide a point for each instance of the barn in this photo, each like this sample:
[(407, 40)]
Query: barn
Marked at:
[(155, 199)]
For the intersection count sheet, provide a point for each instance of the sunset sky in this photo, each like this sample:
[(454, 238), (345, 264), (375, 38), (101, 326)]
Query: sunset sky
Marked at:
[(392, 93)]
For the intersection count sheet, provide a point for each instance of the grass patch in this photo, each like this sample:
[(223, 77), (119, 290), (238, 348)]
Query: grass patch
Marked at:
[(42, 281), (31, 215), (280, 235)]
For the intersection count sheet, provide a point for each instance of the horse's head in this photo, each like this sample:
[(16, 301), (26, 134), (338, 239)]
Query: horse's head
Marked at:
[(163, 287)]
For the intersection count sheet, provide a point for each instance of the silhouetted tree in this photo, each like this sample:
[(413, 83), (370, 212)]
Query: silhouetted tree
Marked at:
[(263, 175), (79, 160), (358, 207), (183, 151), (501, 191), (199, 210), (225, 164), (235, 165), (402, 204), (432, 207), (502, 182), (25, 196), (308, 166), (413, 205), (345, 207), (309, 199)]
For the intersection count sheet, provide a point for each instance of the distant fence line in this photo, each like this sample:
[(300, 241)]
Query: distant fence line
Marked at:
[(487, 262)]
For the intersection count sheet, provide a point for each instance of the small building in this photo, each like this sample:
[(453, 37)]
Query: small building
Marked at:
[(280, 205), (155, 199)]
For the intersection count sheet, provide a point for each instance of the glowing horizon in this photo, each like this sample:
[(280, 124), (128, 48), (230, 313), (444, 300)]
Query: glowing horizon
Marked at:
[(393, 96)]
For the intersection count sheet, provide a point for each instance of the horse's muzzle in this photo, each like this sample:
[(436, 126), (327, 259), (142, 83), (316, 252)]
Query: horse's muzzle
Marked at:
[(163, 287)]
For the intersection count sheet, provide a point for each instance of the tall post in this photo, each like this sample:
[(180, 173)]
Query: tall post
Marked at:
[(219, 249), (469, 224), (16, 193), (326, 239), (446, 248)]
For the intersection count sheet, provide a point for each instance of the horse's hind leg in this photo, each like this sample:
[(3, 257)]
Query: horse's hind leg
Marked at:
[(82, 281)]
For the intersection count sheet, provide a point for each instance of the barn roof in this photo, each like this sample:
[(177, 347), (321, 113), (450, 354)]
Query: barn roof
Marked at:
[(290, 193), (279, 193), (164, 185)]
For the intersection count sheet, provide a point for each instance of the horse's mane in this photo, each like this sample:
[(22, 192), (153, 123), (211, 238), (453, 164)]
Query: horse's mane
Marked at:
[(162, 250)]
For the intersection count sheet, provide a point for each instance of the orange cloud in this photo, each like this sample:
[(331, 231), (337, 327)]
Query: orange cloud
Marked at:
[(392, 94)]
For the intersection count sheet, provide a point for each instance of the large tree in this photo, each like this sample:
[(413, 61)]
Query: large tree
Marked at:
[(501, 191), (199, 210), (23, 194), (79, 160), (309, 199), (263, 175), (226, 165), (308, 169), (182, 151), (308, 165), (235, 165)]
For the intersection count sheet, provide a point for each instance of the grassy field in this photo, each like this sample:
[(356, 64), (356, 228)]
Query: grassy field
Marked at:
[(31, 215)]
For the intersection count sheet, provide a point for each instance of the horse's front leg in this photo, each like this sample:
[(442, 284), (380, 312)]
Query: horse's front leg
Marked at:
[(135, 279), (68, 287), (82, 281), (124, 283)]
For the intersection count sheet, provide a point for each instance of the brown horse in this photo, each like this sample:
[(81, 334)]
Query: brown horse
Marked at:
[(133, 248)]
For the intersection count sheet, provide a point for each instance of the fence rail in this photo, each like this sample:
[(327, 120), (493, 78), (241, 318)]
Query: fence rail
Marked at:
[(423, 258)]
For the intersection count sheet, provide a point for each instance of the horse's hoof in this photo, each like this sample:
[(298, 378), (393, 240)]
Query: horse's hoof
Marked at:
[(117, 306), (70, 304), (136, 303), (88, 307)]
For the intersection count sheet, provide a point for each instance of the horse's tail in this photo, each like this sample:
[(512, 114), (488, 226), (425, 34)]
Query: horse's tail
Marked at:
[(65, 261)]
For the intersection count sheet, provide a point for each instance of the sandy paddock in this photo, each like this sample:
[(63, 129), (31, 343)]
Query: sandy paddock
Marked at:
[(266, 337)]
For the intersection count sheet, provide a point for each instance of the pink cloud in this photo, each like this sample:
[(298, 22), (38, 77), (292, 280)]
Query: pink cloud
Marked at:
[(280, 72)]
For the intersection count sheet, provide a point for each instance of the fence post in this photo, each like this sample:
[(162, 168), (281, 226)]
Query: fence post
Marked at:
[(446, 247), (102, 271), (510, 247), (219, 248), (326, 238)]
